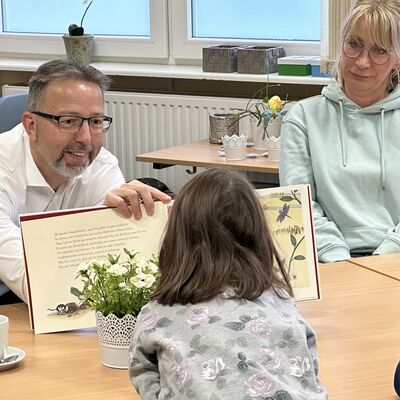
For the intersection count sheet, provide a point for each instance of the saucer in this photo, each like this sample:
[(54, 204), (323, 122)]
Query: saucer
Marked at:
[(10, 352)]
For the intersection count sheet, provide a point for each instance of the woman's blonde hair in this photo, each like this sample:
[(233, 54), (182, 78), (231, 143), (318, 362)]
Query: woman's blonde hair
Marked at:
[(382, 17)]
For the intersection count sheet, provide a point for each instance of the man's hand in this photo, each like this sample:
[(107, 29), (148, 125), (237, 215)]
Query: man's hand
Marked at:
[(127, 199)]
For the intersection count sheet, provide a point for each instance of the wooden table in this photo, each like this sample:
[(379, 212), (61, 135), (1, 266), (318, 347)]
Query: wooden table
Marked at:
[(204, 154), (357, 331), (387, 264), (59, 366)]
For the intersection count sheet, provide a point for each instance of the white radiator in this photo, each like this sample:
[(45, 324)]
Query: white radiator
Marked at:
[(144, 122)]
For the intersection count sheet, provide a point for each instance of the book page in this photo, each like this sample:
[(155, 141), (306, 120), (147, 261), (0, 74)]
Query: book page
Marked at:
[(56, 243), (289, 216)]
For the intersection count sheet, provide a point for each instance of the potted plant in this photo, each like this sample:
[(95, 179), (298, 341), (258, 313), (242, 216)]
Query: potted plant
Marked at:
[(78, 45), (117, 288), (263, 109)]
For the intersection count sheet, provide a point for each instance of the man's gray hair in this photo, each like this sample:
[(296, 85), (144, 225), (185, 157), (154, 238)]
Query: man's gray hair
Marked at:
[(61, 70)]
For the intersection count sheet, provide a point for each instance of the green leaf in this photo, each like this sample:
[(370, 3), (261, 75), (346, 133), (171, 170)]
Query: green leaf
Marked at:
[(245, 318), (202, 349), (242, 366), (286, 198), (293, 239), (195, 342), (76, 292), (235, 326), (288, 334), (163, 322), (299, 257)]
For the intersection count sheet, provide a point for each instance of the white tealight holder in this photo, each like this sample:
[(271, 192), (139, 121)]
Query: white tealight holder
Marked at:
[(274, 148), (235, 147)]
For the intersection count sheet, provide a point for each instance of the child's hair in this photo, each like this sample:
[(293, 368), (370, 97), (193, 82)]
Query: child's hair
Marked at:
[(217, 238)]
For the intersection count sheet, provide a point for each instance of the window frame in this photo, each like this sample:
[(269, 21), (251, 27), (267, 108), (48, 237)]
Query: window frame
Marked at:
[(170, 41), (106, 48), (186, 49)]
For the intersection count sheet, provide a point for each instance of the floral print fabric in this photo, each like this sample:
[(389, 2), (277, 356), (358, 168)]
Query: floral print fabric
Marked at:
[(225, 349)]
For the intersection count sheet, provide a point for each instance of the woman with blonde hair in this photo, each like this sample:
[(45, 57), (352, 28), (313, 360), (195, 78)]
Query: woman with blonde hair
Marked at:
[(345, 142)]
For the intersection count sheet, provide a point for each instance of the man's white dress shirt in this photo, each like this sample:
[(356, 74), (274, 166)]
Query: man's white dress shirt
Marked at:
[(24, 190)]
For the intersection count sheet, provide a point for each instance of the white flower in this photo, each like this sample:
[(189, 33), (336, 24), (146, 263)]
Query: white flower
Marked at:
[(268, 358), (211, 368), (260, 385), (259, 327), (143, 280), (83, 266), (299, 366), (179, 374), (150, 320), (197, 316), (96, 263), (141, 262), (119, 281), (152, 267), (116, 269)]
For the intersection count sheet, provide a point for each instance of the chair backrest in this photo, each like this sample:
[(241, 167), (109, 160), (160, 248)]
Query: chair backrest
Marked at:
[(11, 108)]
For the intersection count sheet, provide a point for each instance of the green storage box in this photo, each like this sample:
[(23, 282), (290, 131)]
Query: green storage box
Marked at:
[(294, 65)]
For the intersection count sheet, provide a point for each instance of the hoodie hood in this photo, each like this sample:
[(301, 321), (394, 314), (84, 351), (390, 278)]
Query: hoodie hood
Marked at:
[(391, 102), (335, 93)]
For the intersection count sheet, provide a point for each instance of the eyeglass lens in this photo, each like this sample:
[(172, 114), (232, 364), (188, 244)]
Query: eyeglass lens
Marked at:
[(354, 48), (73, 124)]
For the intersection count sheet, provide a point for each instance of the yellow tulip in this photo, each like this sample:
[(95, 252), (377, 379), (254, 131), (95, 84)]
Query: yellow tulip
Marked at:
[(275, 104)]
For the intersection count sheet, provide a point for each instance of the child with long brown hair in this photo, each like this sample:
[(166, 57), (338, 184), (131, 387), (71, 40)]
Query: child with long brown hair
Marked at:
[(222, 323)]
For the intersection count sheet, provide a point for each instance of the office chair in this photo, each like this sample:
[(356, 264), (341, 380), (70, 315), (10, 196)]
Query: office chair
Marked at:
[(11, 108)]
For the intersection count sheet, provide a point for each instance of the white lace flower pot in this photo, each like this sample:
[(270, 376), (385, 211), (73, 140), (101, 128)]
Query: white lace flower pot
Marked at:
[(115, 335), (273, 130)]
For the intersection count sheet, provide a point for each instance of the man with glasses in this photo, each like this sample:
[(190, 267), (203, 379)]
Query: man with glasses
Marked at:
[(345, 143), (56, 160)]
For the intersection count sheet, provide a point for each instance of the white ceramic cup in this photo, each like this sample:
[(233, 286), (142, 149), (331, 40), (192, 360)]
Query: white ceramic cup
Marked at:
[(3, 336)]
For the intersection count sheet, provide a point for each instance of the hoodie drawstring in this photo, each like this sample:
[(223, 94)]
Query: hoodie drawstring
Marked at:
[(342, 139), (382, 140)]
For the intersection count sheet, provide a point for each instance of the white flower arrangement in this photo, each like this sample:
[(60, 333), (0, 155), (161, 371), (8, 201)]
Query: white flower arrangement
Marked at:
[(116, 286)]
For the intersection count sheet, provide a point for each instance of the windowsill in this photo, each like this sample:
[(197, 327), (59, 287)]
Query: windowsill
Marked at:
[(169, 71)]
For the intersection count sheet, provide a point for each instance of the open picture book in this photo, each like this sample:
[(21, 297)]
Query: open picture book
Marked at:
[(56, 243), (288, 211)]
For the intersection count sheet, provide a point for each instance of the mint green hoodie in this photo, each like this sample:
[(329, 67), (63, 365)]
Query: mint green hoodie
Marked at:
[(351, 158)]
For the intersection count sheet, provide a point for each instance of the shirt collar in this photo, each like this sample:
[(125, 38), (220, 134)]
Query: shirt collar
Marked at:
[(33, 175)]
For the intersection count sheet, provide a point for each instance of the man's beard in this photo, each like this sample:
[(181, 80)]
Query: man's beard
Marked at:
[(61, 167)]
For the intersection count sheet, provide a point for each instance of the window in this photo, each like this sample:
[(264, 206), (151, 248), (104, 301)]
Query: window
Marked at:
[(256, 19), (199, 23), (124, 29), (158, 30), (128, 18)]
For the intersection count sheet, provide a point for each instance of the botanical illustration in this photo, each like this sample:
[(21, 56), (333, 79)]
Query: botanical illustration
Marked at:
[(285, 218)]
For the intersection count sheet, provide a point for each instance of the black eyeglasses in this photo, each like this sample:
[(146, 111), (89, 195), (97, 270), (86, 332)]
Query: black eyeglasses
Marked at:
[(353, 48), (71, 124)]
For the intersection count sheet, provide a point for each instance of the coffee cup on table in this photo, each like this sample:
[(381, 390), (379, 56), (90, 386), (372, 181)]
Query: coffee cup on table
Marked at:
[(3, 336)]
